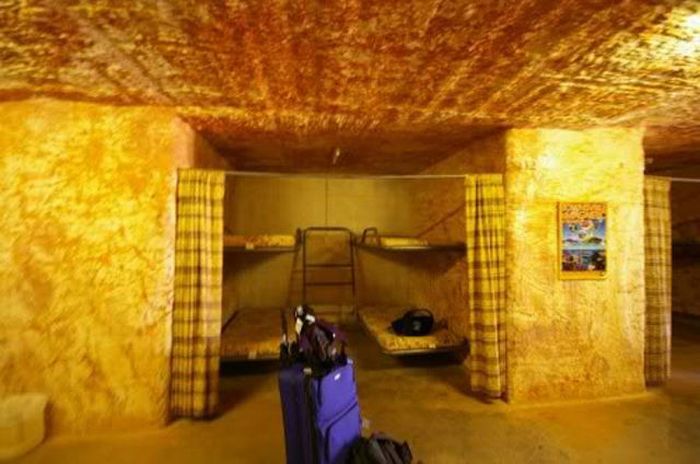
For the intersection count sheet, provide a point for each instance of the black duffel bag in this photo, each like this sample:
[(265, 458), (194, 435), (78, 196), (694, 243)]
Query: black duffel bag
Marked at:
[(380, 449), (414, 323)]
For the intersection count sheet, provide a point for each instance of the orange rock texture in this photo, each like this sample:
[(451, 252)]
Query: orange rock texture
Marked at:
[(87, 210), (396, 84), (574, 339)]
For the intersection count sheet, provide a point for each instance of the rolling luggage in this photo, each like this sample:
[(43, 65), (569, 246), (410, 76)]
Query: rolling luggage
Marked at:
[(321, 415), (320, 411)]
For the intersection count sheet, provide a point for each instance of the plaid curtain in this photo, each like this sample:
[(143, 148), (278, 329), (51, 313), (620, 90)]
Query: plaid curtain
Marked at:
[(485, 226), (194, 384), (657, 249)]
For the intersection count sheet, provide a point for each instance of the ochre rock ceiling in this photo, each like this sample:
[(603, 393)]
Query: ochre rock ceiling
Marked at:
[(395, 84)]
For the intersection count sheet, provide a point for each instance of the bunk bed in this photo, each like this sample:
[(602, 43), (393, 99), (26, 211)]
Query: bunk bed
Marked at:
[(262, 243), (372, 239), (376, 321), (254, 334)]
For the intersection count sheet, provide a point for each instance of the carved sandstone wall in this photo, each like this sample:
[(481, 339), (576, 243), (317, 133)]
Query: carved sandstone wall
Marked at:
[(574, 339), (440, 215), (87, 210)]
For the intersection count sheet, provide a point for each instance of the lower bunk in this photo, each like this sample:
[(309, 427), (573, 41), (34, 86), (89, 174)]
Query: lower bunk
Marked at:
[(377, 323), (254, 334)]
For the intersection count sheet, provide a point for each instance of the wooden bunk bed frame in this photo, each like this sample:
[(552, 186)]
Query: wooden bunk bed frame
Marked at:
[(263, 243), (376, 320), (253, 334), (372, 239)]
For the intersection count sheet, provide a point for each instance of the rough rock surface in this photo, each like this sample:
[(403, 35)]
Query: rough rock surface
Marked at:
[(396, 84)]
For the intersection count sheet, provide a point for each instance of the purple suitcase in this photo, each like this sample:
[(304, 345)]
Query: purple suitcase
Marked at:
[(321, 415)]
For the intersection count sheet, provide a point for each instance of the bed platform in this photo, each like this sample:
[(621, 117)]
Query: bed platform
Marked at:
[(372, 239), (262, 243), (253, 334), (377, 322)]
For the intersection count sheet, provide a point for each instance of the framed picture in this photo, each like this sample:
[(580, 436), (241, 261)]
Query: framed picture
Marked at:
[(583, 240)]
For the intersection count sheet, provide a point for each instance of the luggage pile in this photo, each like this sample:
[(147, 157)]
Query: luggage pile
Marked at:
[(322, 422)]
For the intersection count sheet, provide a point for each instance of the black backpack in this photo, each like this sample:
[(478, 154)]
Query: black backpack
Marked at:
[(380, 449), (414, 323)]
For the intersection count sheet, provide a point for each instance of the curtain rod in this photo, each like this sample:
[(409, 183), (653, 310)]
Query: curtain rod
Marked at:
[(344, 176), (384, 176)]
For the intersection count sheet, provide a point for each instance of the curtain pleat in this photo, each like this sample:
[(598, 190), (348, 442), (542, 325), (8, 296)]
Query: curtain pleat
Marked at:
[(657, 248), (485, 239), (196, 330)]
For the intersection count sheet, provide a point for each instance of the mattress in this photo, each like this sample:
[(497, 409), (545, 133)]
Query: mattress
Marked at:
[(252, 242), (377, 321), (385, 241), (254, 334)]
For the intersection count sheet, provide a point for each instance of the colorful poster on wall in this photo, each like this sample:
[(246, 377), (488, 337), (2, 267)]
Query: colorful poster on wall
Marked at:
[(582, 240)]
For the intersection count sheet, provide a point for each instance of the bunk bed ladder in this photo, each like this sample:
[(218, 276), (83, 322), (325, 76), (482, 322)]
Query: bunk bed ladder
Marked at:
[(306, 265)]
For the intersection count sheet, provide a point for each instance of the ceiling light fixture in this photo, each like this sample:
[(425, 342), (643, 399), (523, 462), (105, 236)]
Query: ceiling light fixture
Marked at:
[(693, 22), (692, 45), (687, 48), (336, 155)]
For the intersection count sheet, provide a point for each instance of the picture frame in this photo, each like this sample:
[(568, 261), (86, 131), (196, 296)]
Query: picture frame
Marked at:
[(583, 241)]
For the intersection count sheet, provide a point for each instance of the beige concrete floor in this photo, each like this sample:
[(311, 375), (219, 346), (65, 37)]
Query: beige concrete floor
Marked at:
[(423, 401)]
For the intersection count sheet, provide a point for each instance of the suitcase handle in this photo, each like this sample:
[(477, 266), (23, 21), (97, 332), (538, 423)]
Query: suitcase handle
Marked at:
[(285, 352), (284, 325)]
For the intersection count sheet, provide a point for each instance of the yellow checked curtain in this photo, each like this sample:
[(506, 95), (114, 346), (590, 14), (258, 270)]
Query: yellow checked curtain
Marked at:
[(197, 305), (657, 248), (485, 226)]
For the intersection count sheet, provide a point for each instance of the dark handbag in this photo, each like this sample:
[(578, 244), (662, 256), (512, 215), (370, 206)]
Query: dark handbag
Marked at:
[(322, 344), (414, 323), (319, 345)]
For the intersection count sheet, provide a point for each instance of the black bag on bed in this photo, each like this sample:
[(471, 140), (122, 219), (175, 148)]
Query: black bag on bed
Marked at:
[(414, 323)]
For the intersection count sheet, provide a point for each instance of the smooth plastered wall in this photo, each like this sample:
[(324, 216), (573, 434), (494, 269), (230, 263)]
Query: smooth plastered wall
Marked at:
[(574, 339), (87, 201)]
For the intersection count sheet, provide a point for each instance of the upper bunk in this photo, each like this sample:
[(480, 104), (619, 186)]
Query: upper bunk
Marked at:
[(269, 243), (372, 239)]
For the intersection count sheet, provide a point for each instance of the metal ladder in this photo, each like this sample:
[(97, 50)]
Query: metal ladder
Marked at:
[(306, 266)]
